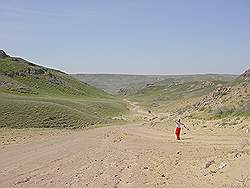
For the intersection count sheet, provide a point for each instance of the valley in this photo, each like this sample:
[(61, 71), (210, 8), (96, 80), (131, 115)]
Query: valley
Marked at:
[(58, 131)]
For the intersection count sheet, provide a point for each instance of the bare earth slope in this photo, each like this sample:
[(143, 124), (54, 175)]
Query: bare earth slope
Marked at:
[(122, 156)]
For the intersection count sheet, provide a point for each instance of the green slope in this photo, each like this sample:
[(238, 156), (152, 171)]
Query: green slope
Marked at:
[(26, 78), (35, 96)]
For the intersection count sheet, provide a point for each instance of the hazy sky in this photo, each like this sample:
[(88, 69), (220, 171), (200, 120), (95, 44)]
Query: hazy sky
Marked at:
[(129, 36)]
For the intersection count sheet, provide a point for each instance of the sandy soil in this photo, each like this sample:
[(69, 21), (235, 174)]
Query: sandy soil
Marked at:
[(133, 155), (121, 156)]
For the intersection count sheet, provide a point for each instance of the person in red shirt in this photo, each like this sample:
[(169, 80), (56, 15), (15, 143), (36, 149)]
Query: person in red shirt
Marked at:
[(179, 125)]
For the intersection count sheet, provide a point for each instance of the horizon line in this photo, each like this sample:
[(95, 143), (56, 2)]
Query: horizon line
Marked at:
[(119, 73), (153, 74)]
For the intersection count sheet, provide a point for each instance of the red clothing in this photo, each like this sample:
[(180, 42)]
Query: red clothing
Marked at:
[(178, 132)]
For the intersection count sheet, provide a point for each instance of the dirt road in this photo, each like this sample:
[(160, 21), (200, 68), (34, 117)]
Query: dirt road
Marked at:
[(122, 156)]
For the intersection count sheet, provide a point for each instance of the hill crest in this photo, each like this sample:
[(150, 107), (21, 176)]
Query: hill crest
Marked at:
[(19, 76)]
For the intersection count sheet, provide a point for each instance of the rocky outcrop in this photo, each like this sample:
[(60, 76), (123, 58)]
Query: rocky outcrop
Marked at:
[(30, 69), (3, 54), (52, 79), (245, 76), (4, 83), (225, 99), (26, 72), (213, 98)]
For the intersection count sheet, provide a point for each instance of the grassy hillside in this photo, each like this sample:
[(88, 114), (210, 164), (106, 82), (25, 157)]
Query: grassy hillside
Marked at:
[(172, 93), (22, 77), (199, 97), (35, 96)]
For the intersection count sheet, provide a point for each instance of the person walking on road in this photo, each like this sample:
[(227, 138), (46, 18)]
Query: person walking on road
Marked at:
[(179, 125)]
